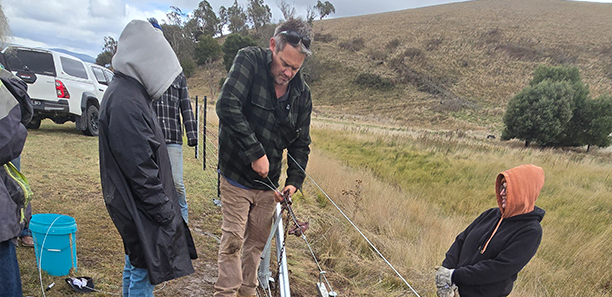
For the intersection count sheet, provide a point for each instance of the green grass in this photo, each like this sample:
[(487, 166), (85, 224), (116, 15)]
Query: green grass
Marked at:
[(412, 169), (454, 179)]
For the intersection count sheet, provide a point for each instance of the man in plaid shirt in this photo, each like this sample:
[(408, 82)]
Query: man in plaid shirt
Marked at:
[(264, 108), (169, 108)]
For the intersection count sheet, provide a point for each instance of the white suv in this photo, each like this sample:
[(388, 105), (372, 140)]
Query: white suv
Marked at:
[(102, 77), (62, 87)]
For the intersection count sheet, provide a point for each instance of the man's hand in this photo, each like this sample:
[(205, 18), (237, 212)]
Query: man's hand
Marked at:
[(292, 189), (261, 166)]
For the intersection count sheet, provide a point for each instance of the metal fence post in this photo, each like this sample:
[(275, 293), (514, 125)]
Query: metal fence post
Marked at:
[(204, 136), (197, 125)]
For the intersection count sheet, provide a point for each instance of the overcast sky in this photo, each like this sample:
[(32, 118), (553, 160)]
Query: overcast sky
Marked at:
[(80, 25)]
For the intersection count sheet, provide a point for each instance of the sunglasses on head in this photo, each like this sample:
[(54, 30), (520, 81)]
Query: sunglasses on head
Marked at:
[(294, 38)]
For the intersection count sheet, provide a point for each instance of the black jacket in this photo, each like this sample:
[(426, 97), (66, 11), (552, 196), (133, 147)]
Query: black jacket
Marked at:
[(137, 183), (493, 273), (14, 107)]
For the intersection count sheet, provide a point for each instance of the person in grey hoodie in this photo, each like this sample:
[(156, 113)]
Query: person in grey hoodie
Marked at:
[(135, 169)]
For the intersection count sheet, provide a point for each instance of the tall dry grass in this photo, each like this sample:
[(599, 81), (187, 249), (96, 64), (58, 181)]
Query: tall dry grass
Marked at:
[(418, 193)]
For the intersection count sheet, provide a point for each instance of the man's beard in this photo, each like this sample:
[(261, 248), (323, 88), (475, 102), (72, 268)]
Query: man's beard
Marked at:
[(281, 81)]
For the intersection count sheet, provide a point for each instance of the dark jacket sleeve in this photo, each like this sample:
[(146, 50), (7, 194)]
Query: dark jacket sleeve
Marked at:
[(19, 89), (134, 150), (452, 255), (12, 132), (189, 120), (300, 148), (521, 248), (229, 107)]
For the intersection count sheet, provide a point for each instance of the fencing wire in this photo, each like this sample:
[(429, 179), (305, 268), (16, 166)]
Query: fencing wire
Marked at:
[(215, 160), (208, 149), (354, 226)]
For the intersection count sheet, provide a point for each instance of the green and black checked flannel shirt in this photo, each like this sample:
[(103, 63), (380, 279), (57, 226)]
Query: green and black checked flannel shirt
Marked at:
[(251, 123)]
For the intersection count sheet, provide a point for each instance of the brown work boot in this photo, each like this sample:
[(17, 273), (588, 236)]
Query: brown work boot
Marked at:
[(238, 295), (27, 241)]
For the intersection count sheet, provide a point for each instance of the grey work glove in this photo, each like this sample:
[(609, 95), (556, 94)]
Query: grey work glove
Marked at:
[(444, 277), (448, 291)]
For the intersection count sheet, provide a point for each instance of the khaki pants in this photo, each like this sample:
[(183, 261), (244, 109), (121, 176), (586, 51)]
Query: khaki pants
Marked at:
[(247, 220)]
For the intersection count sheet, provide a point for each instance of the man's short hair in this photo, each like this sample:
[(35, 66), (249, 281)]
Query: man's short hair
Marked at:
[(301, 27)]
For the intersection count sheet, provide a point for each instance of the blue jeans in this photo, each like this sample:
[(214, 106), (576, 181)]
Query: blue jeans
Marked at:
[(175, 151), (136, 281), (10, 279)]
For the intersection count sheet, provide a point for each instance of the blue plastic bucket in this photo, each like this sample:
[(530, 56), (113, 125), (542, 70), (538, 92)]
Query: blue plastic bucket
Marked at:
[(54, 242)]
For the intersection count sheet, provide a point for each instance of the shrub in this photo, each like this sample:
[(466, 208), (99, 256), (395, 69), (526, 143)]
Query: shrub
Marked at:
[(397, 63), (188, 66), (311, 69), (492, 36), (539, 113), (325, 38), (519, 52), (377, 55), (232, 44), (207, 50), (393, 44), (375, 81), (599, 112), (355, 44), (414, 53), (433, 44)]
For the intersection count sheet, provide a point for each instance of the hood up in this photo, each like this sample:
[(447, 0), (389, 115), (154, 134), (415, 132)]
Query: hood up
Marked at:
[(523, 188), (144, 54), (523, 185)]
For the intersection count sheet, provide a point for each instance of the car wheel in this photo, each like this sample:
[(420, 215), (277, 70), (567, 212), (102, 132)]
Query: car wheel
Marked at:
[(91, 128), (34, 123)]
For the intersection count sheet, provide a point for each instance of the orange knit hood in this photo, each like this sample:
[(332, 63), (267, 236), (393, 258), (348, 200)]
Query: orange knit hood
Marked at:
[(523, 187)]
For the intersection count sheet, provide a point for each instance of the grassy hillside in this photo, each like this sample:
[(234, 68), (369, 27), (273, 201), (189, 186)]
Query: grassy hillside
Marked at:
[(455, 66), (452, 66)]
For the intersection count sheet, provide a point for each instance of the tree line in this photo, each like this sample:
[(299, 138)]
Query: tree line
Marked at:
[(556, 110), (194, 36)]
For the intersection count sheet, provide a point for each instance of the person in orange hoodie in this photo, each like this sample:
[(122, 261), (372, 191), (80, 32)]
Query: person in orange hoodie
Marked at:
[(486, 257)]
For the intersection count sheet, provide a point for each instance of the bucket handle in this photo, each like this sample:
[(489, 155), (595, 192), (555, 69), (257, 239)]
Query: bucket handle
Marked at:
[(70, 244)]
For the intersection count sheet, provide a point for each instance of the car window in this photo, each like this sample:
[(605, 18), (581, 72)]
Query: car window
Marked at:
[(99, 75), (3, 63), (37, 62), (73, 67), (109, 75)]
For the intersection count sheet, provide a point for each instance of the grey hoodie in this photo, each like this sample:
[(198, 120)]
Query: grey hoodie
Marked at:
[(144, 54)]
